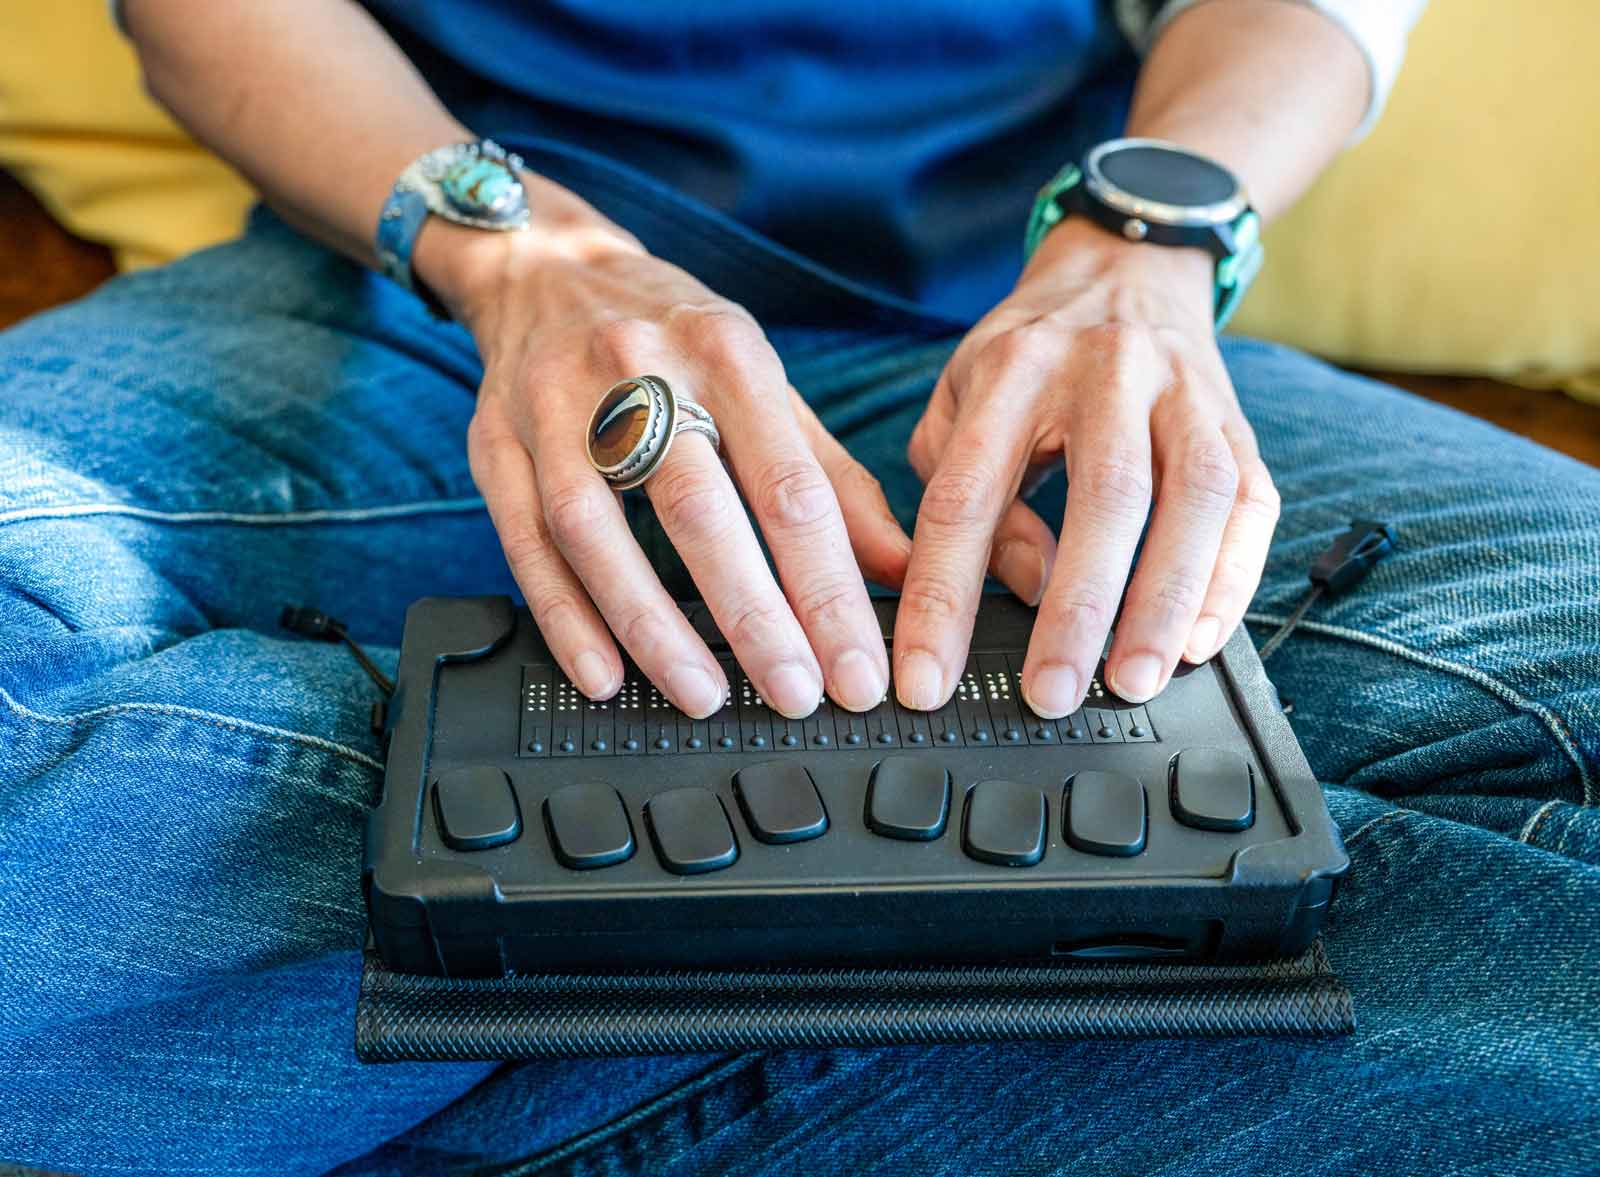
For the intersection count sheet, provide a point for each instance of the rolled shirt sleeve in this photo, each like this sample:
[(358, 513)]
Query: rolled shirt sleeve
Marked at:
[(1378, 28)]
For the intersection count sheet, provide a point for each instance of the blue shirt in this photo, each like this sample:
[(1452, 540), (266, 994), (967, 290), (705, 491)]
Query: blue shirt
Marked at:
[(898, 144)]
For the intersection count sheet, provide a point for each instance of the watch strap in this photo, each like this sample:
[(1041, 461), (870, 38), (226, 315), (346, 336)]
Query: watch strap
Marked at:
[(398, 226), (474, 184), (1238, 269), (1236, 245), (1048, 209)]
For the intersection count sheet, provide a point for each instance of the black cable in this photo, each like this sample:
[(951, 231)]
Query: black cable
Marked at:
[(1342, 565), (385, 683), (1284, 630), (314, 623)]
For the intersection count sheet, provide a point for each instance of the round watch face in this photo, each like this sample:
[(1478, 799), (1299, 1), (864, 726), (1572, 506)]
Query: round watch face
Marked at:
[(1163, 183)]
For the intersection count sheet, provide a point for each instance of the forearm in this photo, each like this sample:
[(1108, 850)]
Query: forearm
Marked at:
[(314, 103), (1271, 89)]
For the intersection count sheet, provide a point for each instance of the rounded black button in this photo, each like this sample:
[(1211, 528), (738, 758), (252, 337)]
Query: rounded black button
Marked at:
[(981, 735), (758, 741), (908, 798), (1013, 734), (1105, 814), (725, 742), (789, 741), (631, 744), (853, 738), (535, 746), (822, 740), (567, 745), (1005, 823), (885, 738), (476, 808), (949, 737), (780, 802), (695, 742), (598, 745), (918, 738), (690, 830), (1042, 732), (663, 743), (1212, 789), (588, 826)]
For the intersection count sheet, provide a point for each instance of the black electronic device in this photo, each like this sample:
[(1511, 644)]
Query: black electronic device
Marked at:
[(524, 828)]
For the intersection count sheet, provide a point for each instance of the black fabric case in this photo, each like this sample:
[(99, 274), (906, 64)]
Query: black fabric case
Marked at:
[(409, 1017)]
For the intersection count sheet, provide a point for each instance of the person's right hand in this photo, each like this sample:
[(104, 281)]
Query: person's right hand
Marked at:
[(560, 313)]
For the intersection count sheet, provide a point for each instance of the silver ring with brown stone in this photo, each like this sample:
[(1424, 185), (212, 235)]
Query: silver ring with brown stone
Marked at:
[(632, 428)]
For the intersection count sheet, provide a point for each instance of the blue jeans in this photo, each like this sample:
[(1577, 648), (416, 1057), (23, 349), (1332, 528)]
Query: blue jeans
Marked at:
[(182, 784)]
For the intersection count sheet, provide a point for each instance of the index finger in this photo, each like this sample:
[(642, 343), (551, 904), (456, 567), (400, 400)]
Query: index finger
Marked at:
[(975, 481), (1108, 498)]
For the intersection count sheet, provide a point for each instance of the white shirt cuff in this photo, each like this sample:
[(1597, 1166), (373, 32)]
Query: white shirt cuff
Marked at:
[(1378, 28)]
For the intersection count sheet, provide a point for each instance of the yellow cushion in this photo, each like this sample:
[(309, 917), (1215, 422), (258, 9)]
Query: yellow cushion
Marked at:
[(77, 128), (1464, 234)]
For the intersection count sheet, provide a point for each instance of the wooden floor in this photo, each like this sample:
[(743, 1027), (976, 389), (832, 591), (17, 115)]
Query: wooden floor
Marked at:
[(42, 265)]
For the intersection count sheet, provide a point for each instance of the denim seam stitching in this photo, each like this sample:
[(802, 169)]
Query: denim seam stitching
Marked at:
[(1537, 819), (255, 518), (706, 1081), (1553, 723), (1364, 830), (214, 719)]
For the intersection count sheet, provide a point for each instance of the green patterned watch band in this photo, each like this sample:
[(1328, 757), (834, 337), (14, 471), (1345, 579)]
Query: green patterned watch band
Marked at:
[(1234, 272)]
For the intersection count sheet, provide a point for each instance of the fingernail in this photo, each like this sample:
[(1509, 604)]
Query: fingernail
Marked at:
[(593, 676), (1135, 679), (920, 682), (1020, 567), (694, 691), (1203, 639), (792, 691), (857, 682), (1052, 692)]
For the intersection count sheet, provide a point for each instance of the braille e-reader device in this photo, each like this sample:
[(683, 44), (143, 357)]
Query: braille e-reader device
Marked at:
[(524, 828)]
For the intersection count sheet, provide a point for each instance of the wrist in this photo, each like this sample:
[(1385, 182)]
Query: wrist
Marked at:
[(1078, 251), (471, 270)]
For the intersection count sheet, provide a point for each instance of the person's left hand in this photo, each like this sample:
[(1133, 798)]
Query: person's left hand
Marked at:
[(1104, 355)]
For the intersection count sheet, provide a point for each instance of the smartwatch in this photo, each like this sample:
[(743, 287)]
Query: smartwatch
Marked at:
[(1155, 191), (473, 184)]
